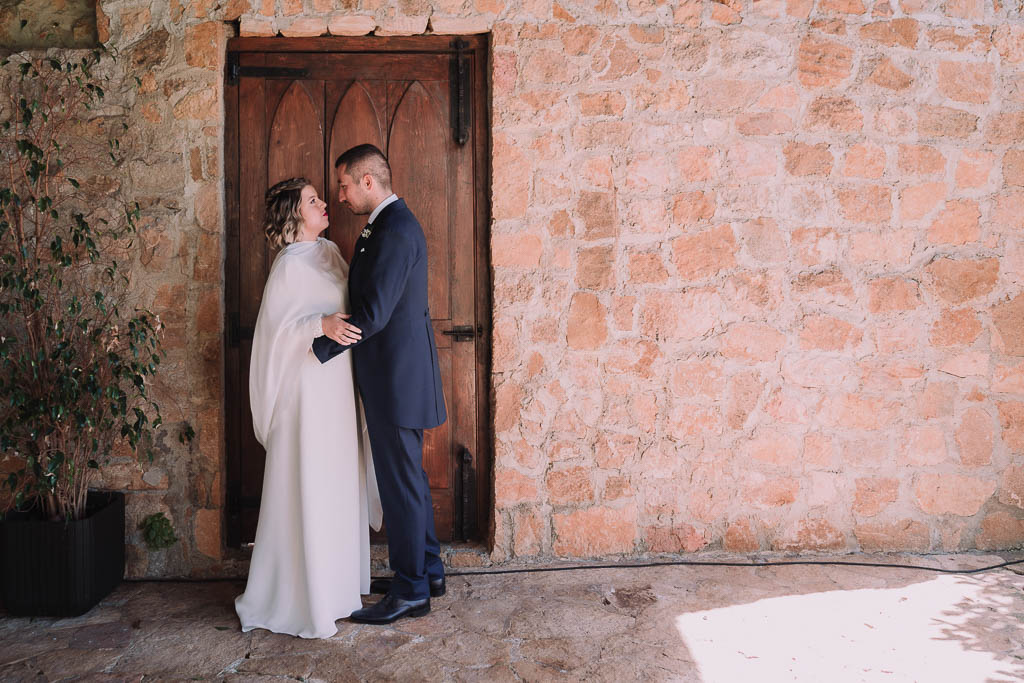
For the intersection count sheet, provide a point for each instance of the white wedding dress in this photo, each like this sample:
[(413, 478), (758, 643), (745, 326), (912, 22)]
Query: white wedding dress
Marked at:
[(311, 558)]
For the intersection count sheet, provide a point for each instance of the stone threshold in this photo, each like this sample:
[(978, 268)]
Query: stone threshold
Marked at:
[(454, 555)]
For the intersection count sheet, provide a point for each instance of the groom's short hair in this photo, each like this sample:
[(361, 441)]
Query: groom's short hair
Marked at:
[(366, 160)]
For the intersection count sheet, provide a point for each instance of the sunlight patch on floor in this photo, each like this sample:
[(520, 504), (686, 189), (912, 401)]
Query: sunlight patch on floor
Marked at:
[(928, 631)]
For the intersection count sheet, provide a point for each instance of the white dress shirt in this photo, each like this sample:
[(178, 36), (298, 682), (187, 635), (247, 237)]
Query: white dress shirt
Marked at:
[(380, 207)]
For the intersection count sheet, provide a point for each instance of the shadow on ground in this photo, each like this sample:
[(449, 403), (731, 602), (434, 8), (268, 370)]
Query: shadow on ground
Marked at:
[(665, 623)]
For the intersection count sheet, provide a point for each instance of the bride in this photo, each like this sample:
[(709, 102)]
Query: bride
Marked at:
[(311, 559)]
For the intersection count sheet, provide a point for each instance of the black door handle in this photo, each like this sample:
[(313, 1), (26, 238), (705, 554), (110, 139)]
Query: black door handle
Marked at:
[(464, 333)]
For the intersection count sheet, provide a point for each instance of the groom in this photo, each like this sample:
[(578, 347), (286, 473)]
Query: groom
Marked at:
[(396, 369)]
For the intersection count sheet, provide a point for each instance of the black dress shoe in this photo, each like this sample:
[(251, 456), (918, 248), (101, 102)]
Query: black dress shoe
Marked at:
[(389, 609), (438, 587)]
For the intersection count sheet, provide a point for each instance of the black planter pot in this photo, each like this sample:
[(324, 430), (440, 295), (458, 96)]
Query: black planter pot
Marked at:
[(62, 569)]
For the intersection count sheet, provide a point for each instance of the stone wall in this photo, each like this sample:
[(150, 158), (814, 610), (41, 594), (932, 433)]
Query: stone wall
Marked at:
[(171, 98), (47, 23), (758, 273), (758, 277)]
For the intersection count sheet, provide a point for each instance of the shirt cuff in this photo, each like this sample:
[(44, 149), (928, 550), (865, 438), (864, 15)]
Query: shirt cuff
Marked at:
[(318, 327)]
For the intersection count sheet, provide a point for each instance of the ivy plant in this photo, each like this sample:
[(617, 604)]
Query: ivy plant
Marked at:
[(157, 531)]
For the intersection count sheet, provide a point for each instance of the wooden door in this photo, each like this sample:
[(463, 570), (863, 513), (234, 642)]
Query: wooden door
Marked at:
[(292, 107)]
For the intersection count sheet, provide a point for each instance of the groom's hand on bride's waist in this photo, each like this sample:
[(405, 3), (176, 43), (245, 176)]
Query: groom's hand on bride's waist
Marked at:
[(337, 327)]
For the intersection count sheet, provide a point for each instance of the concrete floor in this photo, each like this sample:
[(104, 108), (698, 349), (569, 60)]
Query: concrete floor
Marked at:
[(794, 623)]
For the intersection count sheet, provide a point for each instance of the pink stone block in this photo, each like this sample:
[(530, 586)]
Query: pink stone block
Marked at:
[(305, 27), (1011, 486), (954, 494), (772, 493), (873, 495), (975, 437), (587, 325), (974, 168), (459, 25), (811, 535), (773, 447), (1011, 421), (402, 26), (966, 364), (594, 531), (752, 341), (956, 223), (339, 24)]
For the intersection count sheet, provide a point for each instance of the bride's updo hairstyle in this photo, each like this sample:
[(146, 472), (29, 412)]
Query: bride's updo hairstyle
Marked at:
[(282, 211)]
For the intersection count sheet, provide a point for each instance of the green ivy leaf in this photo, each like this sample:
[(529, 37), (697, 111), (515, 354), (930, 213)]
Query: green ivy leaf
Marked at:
[(157, 531)]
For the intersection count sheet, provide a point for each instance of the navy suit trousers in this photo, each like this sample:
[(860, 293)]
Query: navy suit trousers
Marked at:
[(414, 552)]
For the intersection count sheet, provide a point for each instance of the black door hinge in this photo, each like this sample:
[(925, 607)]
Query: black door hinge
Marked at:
[(461, 97), (236, 71), (465, 496), (236, 333)]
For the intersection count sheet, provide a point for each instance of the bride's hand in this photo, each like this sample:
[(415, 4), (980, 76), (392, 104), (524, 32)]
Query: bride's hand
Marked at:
[(336, 327)]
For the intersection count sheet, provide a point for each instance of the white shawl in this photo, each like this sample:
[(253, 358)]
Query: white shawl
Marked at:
[(307, 281)]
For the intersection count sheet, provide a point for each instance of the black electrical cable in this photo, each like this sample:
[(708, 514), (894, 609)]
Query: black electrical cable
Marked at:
[(650, 564), (722, 563)]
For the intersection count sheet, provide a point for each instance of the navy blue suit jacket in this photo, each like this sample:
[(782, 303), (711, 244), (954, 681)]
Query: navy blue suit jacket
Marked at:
[(396, 360)]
